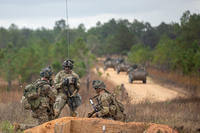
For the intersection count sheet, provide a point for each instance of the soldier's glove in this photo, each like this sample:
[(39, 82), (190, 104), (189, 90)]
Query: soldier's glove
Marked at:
[(97, 114), (90, 114)]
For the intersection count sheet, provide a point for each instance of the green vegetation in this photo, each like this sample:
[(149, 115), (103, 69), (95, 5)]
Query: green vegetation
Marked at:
[(179, 52), (171, 46), (174, 46), (139, 54), (23, 52), (7, 127)]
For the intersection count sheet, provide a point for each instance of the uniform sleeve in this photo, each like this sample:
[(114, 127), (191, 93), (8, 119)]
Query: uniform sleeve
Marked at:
[(50, 92), (57, 81), (105, 102), (78, 80)]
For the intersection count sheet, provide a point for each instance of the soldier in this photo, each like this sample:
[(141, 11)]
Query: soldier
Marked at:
[(107, 106), (67, 84), (39, 98), (121, 93)]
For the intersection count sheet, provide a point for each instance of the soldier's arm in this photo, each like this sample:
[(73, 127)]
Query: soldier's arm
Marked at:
[(50, 92), (78, 80), (57, 81), (104, 99)]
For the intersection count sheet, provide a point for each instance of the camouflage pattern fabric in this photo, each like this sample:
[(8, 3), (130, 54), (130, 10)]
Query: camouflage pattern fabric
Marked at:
[(120, 93), (61, 99), (42, 107), (109, 107), (47, 99), (98, 84), (23, 126)]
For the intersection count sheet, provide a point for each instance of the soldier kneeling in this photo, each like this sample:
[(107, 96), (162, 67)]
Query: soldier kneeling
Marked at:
[(107, 106)]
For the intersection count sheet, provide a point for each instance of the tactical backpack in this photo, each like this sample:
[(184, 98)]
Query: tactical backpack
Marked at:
[(32, 93), (116, 102)]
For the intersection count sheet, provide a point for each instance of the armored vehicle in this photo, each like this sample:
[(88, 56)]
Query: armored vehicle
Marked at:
[(138, 74), (109, 63), (122, 67), (132, 68)]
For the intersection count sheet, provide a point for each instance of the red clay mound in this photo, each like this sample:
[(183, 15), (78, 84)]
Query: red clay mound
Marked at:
[(95, 125)]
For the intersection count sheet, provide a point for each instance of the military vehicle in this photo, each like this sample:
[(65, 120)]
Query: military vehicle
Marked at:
[(138, 74), (132, 68), (122, 67), (109, 63)]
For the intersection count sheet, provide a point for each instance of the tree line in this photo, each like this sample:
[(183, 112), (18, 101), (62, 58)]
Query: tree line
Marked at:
[(174, 46), (23, 52)]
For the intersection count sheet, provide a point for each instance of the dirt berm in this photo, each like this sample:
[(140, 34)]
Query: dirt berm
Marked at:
[(95, 125)]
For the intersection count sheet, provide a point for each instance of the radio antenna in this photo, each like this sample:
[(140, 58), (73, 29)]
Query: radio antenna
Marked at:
[(67, 30)]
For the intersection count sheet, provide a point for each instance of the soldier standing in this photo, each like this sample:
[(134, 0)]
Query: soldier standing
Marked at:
[(120, 92), (67, 84), (39, 98), (107, 106)]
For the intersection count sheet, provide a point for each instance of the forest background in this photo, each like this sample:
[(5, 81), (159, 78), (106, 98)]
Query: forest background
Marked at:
[(167, 47), (169, 51)]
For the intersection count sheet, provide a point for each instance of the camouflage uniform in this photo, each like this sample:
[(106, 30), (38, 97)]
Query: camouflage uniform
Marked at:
[(42, 105), (109, 107), (120, 93), (47, 97), (62, 97)]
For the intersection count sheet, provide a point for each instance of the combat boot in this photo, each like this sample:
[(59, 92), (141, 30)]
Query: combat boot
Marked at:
[(73, 114), (56, 114)]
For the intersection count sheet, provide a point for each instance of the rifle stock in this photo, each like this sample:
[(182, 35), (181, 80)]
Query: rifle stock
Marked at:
[(95, 107), (91, 114)]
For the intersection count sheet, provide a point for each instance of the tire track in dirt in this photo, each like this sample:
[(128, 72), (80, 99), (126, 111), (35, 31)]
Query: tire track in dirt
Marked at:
[(139, 92)]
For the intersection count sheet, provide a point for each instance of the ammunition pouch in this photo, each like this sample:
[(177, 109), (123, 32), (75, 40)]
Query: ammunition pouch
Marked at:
[(74, 102), (113, 110), (35, 103)]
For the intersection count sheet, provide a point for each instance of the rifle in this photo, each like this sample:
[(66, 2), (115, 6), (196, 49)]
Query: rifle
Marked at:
[(70, 98), (95, 107)]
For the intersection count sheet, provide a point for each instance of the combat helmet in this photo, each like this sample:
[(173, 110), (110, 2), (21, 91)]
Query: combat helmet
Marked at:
[(68, 63), (46, 72), (97, 84)]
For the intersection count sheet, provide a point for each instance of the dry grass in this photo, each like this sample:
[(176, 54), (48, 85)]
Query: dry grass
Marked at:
[(10, 96), (10, 107), (183, 113), (190, 83), (175, 113)]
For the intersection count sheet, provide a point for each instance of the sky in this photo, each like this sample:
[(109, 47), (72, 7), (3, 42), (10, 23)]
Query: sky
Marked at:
[(43, 13)]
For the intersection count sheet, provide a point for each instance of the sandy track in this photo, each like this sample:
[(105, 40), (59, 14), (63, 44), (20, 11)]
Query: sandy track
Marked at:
[(138, 91)]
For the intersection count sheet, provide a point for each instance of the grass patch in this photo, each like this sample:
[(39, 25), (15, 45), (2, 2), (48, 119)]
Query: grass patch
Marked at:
[(182, 114), (191, 84)]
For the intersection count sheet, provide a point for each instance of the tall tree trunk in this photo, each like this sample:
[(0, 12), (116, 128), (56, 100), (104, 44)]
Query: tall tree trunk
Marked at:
[(9, 85), (9, 80)]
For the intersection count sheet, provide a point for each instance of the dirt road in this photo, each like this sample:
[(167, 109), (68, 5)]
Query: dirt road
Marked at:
[(139, 92)]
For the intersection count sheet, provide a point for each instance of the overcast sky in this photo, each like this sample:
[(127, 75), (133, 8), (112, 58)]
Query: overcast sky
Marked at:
[(38, 13)]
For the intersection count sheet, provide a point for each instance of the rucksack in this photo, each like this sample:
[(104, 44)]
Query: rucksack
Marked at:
[(32, 93), (116, 102)]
